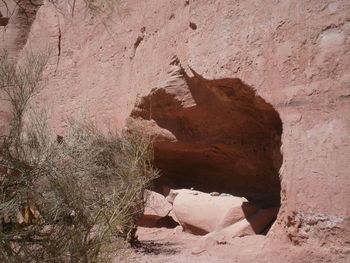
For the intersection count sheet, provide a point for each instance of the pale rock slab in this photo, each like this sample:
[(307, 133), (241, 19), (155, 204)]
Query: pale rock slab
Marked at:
[(156, 207), (201, 213)]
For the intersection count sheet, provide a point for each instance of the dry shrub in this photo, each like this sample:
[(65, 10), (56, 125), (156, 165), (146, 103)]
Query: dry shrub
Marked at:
[(67, 199)]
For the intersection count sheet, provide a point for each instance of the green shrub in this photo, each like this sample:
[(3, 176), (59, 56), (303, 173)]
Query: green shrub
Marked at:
[(67, 199)]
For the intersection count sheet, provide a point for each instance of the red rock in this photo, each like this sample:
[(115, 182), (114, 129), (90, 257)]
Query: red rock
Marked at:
[(294, 55), (206, 118)]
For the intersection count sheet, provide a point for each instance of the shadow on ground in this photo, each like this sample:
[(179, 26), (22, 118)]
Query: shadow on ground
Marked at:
[(157, 248)]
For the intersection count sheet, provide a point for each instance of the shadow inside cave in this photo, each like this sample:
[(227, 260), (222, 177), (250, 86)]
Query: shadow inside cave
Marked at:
[(227, 138)]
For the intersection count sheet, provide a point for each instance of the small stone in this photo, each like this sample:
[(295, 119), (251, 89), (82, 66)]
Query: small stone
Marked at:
[(214, 194)]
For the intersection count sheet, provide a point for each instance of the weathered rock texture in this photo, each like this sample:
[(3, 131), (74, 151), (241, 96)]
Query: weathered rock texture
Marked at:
[(294, 54), (213, 135), (16, 19)]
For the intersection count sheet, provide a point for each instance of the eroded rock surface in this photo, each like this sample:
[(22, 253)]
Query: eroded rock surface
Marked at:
[(221, 136), (295, 54)]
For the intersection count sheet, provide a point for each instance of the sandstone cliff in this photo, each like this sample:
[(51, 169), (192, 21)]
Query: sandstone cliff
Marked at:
[(249, 97)]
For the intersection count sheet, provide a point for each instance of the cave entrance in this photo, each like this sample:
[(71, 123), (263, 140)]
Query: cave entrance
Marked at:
[(214, 136)]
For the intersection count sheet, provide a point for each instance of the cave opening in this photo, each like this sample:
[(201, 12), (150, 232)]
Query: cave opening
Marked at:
[(214, 136)]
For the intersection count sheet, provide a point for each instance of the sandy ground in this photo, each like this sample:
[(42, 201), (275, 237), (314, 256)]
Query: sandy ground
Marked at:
[(163, 245)]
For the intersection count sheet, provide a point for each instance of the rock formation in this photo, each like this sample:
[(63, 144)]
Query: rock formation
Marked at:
[(156, 208), (214, 135), (280, 68), (202, 213)]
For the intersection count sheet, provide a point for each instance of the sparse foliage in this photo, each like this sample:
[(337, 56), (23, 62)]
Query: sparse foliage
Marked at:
[(65, 199)]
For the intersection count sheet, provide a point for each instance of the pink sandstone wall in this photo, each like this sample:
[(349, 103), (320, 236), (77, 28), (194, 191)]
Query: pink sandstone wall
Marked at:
[(295, 54)]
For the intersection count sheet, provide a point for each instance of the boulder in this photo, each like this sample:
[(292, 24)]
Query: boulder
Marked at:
[(235, 214), (254, 224), (156, 207), (173, 216), (171, 196), (200, 213), (251, 225)]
